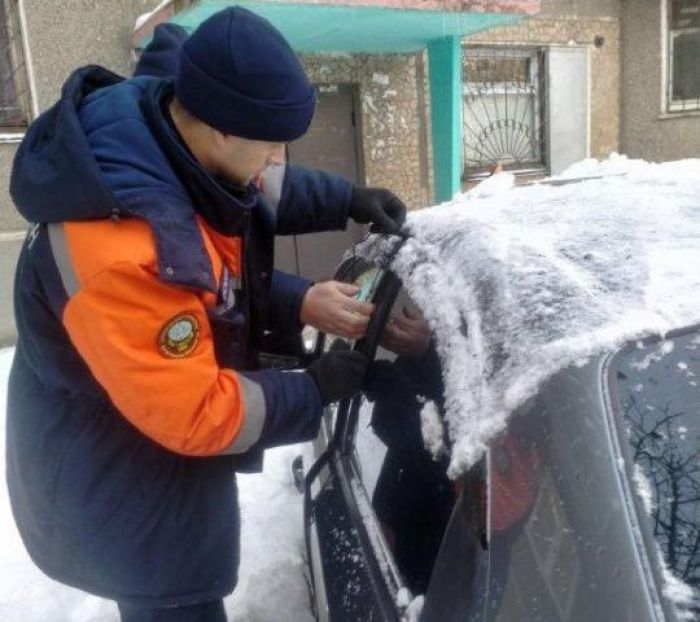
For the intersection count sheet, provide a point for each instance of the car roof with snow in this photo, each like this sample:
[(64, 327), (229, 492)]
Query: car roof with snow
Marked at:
[(520, 282)]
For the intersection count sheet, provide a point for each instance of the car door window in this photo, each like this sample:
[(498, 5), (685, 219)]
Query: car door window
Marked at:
[(367, 277), (544, 533), (411, 496), (658, 397)]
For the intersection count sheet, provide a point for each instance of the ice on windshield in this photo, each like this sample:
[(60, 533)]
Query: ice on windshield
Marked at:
[(518, 283)]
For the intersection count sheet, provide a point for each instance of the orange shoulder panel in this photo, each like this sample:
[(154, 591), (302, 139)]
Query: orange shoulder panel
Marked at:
[(149, 344), (96, 245)]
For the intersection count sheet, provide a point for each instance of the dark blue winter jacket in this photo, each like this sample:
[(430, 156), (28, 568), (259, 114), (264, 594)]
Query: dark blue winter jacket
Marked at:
[(141, 295)]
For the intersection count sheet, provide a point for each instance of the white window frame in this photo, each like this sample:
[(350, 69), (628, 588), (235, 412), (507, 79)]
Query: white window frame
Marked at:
[(519, 50), (14, 134), (668, 104)]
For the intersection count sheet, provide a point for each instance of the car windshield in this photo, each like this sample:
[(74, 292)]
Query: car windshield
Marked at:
[(656, 388)]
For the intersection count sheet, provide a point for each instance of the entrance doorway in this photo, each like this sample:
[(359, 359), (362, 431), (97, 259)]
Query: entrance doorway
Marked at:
[(331, 145)]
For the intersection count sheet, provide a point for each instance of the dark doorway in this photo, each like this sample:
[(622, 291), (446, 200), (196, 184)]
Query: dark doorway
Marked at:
[(331, 144)]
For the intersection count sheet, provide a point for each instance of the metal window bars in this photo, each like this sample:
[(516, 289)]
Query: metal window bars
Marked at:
[(14, 91), (503, 109), (683, 88)]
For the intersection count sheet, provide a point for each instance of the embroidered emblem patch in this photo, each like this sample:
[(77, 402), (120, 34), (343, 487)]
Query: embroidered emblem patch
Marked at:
[(179, 336)]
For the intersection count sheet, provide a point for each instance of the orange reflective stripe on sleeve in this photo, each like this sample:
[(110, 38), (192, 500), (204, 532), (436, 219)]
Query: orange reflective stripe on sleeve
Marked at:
[(150, 346)]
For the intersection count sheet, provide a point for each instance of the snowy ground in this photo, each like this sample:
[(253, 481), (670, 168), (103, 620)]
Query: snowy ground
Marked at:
[(272, 583)]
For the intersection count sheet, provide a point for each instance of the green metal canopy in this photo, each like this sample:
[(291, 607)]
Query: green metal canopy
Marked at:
[(314, 28)]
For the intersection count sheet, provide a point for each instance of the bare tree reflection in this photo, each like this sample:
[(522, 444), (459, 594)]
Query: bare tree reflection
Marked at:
[(670, 462)]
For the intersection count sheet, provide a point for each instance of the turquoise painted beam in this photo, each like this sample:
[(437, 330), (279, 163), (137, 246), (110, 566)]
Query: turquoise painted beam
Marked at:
[(353, 29), (445, 66)]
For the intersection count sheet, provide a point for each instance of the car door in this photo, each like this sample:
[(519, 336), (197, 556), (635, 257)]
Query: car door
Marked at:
[(561, 541), (349, 580), (377, 502), (539, 529)]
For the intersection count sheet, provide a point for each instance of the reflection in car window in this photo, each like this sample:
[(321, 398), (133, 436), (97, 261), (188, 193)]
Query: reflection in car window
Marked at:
[(659, 398), (411, 494), (557, 546), (368, 282), (367, 277)]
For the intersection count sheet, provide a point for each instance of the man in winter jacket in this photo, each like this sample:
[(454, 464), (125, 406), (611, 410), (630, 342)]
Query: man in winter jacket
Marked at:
[(142, 294), (329, 306)]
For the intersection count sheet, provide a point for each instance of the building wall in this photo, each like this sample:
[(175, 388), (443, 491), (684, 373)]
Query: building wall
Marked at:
[(393, 124), (61, 36), (579, 22), (646, 131), (579, 8)]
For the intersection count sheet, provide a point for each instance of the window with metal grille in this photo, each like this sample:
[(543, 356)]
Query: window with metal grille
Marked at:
[(503, 110), (14, 93), (684, 55)]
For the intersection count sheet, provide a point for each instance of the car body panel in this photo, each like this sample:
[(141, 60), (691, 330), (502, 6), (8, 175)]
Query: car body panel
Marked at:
[(568, 552), (544, 528)]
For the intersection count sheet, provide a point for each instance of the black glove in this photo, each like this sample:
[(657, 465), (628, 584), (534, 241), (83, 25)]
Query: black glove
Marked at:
[(378, 206), (338, 374)]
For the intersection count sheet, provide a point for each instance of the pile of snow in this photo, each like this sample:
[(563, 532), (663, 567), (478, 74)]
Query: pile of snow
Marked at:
[(432, 430), (272, 582), (544, 276), (684, 598)]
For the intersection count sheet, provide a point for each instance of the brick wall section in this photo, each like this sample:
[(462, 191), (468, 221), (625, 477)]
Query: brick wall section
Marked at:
[(391, 121), (605, 66)]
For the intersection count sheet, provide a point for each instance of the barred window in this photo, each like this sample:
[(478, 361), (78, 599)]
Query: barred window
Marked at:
[(14, 94), (684, 55), (503, 109)]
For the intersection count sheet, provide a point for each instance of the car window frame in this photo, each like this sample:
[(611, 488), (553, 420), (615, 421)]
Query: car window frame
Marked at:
[(339, 454), (643, 537)]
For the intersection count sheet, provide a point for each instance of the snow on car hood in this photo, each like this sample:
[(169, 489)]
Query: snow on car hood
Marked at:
[(543, 276)]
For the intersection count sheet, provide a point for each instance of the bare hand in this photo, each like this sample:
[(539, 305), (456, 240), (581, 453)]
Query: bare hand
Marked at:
[(331, 307), (407, 334)]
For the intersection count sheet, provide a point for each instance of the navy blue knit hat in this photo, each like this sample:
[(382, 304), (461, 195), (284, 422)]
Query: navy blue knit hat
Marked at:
[(159, 58), (237, 73)]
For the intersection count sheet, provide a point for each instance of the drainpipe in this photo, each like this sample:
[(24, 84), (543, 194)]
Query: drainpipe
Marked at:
[(445, 65)]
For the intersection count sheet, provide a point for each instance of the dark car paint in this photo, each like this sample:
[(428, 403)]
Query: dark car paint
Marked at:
[(597, 569), (575, 556), (348, 556)]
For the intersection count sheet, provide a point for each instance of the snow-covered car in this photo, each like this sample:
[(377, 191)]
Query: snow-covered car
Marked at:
[(528, 444)]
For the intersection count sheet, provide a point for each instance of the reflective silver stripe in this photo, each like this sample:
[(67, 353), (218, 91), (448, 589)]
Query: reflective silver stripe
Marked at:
[(253, 417), (273, 178), (59, 247)]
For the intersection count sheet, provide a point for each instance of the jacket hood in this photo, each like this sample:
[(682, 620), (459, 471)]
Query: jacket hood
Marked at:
[(55, 176)]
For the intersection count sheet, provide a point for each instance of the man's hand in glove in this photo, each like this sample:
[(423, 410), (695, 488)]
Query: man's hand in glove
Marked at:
[(338, 374), (379, 206)]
